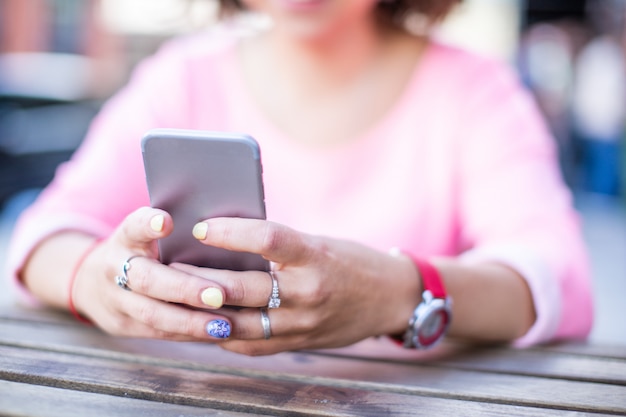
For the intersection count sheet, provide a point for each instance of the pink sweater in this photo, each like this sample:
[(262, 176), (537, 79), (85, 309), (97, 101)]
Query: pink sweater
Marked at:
[(462, 165)]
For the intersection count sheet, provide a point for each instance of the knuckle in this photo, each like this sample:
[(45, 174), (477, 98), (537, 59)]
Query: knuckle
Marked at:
[(318, 293), (311, 293), (320, 250), (307, 323), (236, 291), (138, 277), (318, 286), (147, 314), (125, 232), (272, 238), (138, 283), (133, 228), (179, 292), (116, 325), (191, 327), (224, 235), (243, 333)]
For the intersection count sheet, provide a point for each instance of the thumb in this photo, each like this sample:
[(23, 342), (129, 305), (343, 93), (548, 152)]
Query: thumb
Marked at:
[(139, 230)]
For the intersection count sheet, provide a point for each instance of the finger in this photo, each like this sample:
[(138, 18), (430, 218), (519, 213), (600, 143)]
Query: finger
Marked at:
[(267, 347), (142, 227), (172, 319), (198, 287), (110, 316), (243, 289), (115, 316), (161, 282), (139, 315), (126, 326), (275, 242), (247, 323)]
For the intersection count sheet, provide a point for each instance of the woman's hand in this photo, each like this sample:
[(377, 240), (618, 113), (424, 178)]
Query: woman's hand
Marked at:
[(153, 307), (333, 293)]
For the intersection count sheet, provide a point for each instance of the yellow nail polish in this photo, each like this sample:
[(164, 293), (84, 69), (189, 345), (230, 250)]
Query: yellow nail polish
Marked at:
[(212, 297), (156, 223), (200, 230)]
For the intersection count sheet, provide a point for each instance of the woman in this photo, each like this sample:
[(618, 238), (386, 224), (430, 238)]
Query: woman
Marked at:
[(372, 137)]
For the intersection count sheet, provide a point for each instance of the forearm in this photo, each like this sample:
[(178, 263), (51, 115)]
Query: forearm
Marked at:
[(491, 302), (48, 271)]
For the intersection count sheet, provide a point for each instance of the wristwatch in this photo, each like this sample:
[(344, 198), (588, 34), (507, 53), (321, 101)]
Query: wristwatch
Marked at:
[(432, 316)]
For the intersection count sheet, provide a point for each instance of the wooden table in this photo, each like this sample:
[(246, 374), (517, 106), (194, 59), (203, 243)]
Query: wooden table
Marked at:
[(51, 365)]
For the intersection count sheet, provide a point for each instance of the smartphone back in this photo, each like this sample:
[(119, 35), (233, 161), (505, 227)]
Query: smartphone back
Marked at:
[(196, 175)]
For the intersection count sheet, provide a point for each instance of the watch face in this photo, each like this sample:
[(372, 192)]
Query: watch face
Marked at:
[(432, 327)]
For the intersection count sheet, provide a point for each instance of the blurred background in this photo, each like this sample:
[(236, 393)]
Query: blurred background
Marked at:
[(60, 59)]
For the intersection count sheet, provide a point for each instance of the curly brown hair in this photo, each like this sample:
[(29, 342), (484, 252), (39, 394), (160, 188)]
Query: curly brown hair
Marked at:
[(394, 11)]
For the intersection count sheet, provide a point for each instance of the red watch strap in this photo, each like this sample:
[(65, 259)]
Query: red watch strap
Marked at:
[(431, 278)]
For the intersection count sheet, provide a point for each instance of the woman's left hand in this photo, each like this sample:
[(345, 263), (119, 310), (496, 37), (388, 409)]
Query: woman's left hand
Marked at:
[(333, 293)]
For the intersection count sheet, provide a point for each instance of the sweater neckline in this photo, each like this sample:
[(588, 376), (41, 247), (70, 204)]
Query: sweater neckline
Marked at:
[(402, 107)]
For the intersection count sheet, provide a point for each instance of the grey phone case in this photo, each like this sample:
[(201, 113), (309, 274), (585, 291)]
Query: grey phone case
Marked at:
[(196, 175)]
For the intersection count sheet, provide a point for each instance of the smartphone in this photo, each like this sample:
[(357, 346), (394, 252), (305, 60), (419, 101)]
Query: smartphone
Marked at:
[(195, 175)]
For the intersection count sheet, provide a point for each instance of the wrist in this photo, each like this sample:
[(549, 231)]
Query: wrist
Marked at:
[(408, 292), (72, 281), (430, 319)]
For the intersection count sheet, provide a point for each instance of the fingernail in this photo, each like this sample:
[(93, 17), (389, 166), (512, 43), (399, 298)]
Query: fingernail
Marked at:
[(218, 328), (212, 297), (200, 230), (156, 223)]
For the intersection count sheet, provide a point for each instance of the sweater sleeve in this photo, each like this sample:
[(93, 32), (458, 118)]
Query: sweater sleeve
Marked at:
[(515, 208)]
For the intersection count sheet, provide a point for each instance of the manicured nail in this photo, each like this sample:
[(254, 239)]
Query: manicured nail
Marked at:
[(212, 297), (218, 328), (200, 230), (156, 223)]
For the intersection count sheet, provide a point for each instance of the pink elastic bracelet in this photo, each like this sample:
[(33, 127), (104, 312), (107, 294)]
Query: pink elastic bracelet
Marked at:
[(70, 302)]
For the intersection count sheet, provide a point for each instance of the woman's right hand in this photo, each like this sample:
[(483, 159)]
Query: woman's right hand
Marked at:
[(157, 304)]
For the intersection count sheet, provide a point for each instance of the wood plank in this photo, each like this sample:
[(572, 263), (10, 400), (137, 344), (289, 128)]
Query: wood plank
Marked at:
[(552, 364), (591, 349), (586, 349), (199, 388), (532, 362), (328, 370), (553, 361), (19, 312), (18, 399)]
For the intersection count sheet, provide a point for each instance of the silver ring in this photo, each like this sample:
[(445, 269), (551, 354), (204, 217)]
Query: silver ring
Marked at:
[(274, 301), (122, 280), (265, 322)]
